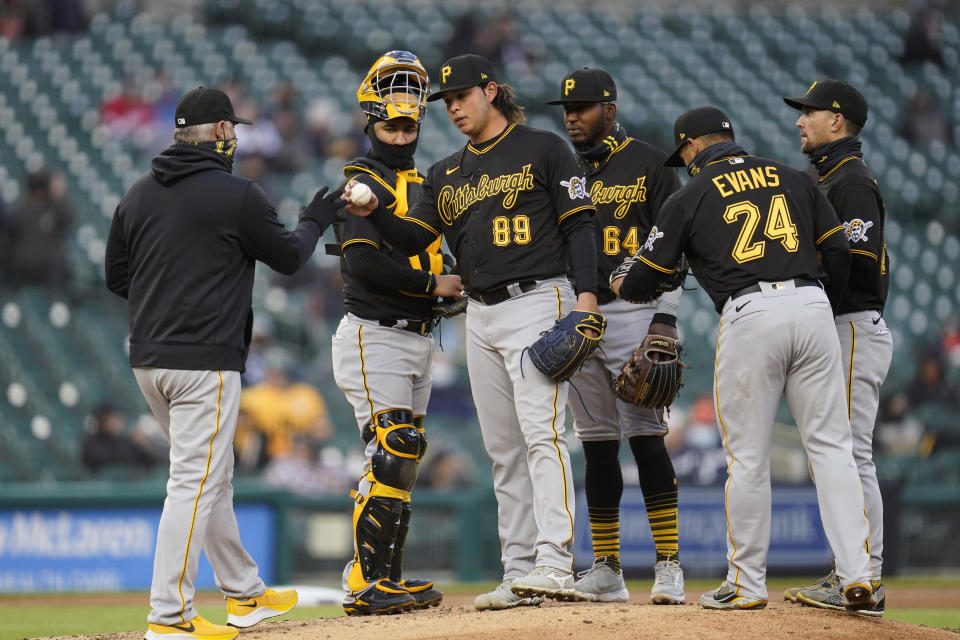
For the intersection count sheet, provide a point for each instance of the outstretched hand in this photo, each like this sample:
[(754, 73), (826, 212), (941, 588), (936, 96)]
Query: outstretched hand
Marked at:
[(359, 210), (323, 208)]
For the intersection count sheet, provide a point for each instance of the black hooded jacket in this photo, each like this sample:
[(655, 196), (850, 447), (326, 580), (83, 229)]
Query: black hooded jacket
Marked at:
[(181, 250)]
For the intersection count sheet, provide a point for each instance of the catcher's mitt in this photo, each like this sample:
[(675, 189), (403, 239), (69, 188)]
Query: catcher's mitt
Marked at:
[(560, 352), (671, 281), (653, 374)]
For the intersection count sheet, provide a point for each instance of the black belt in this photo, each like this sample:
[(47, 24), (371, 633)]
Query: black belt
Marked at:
[(422, 327), (496, 296), (755, 288)]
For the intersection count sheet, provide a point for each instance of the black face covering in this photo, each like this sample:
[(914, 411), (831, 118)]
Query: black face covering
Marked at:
[(395, 156)]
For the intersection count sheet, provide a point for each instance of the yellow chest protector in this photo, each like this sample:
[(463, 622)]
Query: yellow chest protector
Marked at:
[(404, 191)]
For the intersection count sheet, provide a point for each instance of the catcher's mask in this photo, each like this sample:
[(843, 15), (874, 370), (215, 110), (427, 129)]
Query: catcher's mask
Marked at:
[(395, 87)]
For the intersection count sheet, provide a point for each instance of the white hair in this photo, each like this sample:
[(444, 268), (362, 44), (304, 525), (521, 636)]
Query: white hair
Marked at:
[(195, 133)]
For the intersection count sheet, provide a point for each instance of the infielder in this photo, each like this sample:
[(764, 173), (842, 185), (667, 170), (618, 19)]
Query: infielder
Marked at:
[(834, 112), (513, 206), (628, 183), (383, 347), (182, 249), (751, 229)]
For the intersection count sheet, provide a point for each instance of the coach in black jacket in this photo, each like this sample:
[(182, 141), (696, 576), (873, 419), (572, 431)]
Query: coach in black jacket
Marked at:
[(181, 250)]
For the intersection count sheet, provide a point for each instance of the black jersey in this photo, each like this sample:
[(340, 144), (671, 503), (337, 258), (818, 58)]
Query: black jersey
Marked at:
[(380, 282), (742, 219), (852, 190), (628, 187), (500, 206)]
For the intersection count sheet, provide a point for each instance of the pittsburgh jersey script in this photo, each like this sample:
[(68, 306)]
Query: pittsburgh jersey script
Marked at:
[(500, 205), (452, 202), (628, 188), (620, 194)]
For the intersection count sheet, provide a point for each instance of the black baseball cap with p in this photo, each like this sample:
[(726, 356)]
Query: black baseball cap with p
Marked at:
[(587, 85), (693, 124), (462, 72), (834, 95), (203, 105)]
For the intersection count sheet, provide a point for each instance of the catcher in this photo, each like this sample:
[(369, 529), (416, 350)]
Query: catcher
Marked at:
[(511, 205), (383, 347)]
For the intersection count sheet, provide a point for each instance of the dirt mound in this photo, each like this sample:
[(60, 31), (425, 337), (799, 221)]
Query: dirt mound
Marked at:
[(457, 619)]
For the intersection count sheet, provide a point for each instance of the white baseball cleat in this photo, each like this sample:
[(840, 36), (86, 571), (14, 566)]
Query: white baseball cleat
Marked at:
[(546, 581), (600, 583), (501, 597), (667, 583)]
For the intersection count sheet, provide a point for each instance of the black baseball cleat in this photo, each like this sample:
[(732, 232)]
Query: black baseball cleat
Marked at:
[(381, 597), (423, 592), (725, 599)]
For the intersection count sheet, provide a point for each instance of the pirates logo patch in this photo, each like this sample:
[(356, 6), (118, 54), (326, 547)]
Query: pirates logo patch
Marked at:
[(654, 235), (576, 187), (856, 230)]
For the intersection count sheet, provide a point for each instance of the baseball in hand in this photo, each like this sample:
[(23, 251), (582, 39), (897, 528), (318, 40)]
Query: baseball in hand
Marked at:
[(360, 194)]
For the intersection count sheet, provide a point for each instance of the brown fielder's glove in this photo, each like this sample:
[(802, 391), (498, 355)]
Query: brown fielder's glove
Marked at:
[(653, 374), (560, 352)]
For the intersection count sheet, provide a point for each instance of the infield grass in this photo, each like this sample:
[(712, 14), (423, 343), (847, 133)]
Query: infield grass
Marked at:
[(71, 620)]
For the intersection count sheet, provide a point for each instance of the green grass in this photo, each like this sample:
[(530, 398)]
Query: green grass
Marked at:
[(940, 618), (43, 621)]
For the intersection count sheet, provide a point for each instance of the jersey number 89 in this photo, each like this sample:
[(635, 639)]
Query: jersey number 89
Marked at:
[(502, 227), (779, 226)]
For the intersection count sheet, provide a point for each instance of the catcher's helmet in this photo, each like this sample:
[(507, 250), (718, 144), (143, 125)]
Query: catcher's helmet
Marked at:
[(396, 86)]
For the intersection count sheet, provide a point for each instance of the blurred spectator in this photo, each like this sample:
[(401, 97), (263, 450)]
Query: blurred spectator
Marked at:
[(65, 16), (147, 433), (695, 447), (276, 411), (923, 41), (127, 114), (253, 166), (950, 340), (923, 122), (261, 137), (446, 470), (309, 469), (35, 233), (930, 386), (260, 341), (284, 111), (107, 445), (40, 17), (495, 39), (326, 134)]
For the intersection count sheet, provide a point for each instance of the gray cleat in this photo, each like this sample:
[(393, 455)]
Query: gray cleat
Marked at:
[(546, 581), (500, 597), (827, 581), (600, 583), (667, 583), (832, 598)]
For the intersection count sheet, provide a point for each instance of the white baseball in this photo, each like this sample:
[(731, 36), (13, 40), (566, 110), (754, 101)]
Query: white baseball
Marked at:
[(360, 194)]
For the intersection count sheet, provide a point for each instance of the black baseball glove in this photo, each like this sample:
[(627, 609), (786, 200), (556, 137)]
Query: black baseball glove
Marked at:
[(671, 281), (653, 375), (449, 307), (325, 207), (561, 351)]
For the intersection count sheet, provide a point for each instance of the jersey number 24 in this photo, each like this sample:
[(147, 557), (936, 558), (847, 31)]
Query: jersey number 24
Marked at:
[(778, 226)]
